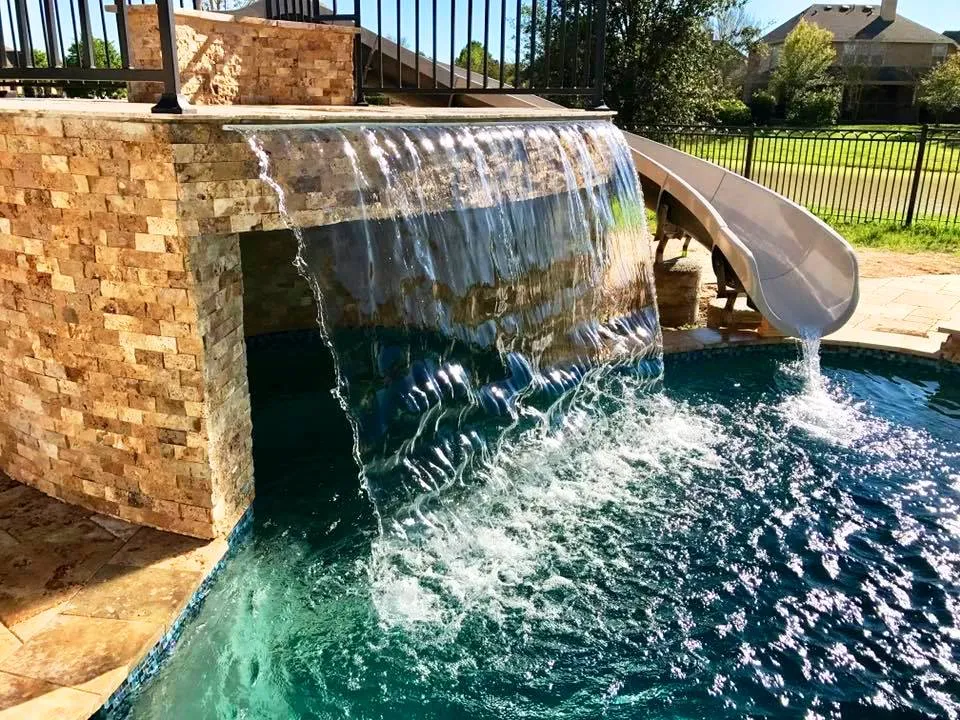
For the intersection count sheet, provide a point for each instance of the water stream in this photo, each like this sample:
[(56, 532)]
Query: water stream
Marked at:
[(477, 274)]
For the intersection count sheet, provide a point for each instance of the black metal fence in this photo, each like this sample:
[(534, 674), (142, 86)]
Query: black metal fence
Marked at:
[(903, 175), (80, 48), (447, 47)]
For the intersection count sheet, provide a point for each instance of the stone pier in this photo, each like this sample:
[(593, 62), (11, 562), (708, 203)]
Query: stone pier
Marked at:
[(123, 384)]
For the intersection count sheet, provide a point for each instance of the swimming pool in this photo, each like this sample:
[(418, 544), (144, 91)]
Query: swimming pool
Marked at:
[(738, 538)]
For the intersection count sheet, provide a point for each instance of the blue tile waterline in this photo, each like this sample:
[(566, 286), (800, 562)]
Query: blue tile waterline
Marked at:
[(155, 658)]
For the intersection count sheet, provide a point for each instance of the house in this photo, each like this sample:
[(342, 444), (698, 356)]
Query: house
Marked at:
[(880, 58)]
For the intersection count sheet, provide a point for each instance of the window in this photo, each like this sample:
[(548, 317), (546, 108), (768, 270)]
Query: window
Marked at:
[(775, 55), (939, 54)]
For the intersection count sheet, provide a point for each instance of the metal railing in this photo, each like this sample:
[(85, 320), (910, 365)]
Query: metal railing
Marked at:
[(80, 48), (449, 47), (843, 175)]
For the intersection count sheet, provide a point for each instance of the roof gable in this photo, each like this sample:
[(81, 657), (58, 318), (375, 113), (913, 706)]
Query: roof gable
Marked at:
[(858, 22)]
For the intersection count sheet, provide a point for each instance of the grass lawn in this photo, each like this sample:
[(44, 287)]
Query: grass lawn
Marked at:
[(888, 148), (893, 236)]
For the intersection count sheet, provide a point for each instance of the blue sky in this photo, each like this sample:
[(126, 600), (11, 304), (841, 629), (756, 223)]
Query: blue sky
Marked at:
[(937, 15)]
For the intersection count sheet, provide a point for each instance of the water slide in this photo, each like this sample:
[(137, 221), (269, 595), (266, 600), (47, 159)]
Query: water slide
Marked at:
[(800, 273)]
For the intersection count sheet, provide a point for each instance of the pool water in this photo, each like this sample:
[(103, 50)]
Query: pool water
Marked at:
[(746, 537)]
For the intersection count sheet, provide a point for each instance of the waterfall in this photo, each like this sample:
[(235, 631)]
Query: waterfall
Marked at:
[(468, 278)]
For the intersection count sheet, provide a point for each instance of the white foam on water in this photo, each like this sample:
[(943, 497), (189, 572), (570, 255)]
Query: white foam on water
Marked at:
[(820, 408), (537, 506)]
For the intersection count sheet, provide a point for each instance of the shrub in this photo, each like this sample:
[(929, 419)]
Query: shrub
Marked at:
[(815, 107), (763, 105), (731, 112)]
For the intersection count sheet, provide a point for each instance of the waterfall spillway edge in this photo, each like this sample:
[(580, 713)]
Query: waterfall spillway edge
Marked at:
[(468, 278)]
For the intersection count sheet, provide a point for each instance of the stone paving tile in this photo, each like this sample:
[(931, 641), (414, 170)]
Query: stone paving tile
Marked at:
[(23, 698), (159, 549), (116, 527), (28, 514), (9, 643), (150, 594), (91, 654)]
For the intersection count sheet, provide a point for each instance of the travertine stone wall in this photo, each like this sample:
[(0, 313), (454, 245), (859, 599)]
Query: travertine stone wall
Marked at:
[(228, 60), (122, 373), (123, 382)]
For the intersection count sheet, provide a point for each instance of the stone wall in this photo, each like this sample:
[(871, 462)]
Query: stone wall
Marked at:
[(276, 298), (123, 382), (122, 376), (228, 60)]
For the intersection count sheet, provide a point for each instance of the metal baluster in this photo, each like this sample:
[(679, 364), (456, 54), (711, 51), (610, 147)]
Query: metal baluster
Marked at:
[(547, 44), (503, 39), (469, 41), (416, 38), (23, 22), (600, 55), (399, 47), (87, 58), (122, 33), (486, 39)]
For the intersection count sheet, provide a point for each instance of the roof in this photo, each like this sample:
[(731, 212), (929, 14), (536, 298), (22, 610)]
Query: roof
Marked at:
[(953, 35), (858, 22)]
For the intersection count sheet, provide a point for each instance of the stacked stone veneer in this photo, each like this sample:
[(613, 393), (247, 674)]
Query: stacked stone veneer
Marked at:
[(229, 60), (123, 381)]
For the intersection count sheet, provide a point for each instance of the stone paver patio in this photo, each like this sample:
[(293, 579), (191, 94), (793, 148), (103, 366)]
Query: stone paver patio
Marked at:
[(83, 598)]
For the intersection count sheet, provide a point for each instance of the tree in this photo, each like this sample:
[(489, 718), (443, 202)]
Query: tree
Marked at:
[(660, 60), (105, 54), (805, 61), (736, 35), (940, 88), (472, 56)]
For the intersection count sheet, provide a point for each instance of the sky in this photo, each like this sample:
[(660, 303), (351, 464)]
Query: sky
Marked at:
[(937, 15)]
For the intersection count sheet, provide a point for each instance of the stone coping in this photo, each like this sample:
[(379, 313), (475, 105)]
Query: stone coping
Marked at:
[(244, 19), (682, 341), (243, 114)]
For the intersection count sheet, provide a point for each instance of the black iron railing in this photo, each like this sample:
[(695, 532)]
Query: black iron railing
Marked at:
[(903, 175), (449, 47), (80, 48)]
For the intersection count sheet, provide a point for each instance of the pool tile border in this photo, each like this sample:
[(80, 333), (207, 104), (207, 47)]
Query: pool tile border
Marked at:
[(151, 663)]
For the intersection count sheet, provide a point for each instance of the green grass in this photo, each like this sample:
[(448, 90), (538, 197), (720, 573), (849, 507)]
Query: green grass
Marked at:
[(887, 236), (892, 149), (893, 236)]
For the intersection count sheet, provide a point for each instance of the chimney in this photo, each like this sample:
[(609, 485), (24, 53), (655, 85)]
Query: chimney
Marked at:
[(888, 10)]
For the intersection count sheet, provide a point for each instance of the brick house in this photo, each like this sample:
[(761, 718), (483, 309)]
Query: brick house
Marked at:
[(880, 58)]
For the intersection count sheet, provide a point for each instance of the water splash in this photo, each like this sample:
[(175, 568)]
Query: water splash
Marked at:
[(820, 409), (468, 279)]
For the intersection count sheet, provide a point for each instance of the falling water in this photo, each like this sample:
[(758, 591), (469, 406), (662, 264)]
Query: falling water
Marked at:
[(468, 279)]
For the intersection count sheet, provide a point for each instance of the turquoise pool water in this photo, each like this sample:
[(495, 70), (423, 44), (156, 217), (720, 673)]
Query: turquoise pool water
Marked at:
[(741, 538)]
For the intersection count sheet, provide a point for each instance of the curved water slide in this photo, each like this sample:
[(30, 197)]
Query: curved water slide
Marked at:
[(800, 273)]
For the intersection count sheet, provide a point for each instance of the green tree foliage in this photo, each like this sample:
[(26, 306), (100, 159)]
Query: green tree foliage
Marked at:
[(763, 106), (661, 60), (105, 54), (940, 87), (804, 63), (815, 107), (474, 55)]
